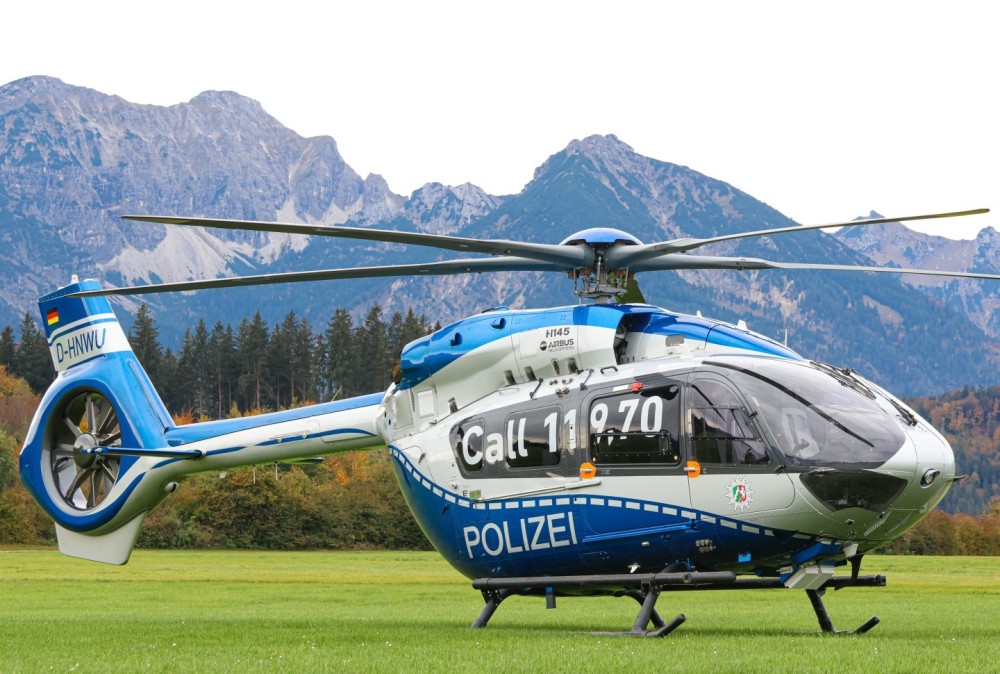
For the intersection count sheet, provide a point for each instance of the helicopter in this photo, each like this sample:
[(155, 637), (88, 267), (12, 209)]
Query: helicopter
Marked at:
[(609, 447)]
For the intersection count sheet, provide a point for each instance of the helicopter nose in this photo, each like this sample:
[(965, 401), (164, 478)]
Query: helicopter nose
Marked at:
[(933, 471)]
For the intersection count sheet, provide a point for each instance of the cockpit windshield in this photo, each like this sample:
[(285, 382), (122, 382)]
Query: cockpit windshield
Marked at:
[(818, 417)]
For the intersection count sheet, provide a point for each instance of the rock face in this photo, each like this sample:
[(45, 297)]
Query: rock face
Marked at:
[(72, 160), (900, 247)]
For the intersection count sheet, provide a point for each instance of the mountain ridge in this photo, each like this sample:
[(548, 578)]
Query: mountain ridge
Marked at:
[(72, 160)]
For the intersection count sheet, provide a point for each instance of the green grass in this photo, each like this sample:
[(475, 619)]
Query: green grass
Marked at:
[(402, 611)]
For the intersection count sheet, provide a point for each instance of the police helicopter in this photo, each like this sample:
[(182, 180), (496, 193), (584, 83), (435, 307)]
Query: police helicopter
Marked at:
[(604, 448)]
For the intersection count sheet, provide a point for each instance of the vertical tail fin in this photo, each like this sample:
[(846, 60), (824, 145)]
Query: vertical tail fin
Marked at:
[(80, 329), (100, 400)]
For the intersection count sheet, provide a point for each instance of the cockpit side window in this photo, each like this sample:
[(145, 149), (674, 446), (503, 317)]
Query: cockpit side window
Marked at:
[(721, 430)]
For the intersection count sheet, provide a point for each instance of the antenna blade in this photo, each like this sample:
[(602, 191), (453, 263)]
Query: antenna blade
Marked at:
[(628, 256), (430, 269), (633, 294), (571, 256)]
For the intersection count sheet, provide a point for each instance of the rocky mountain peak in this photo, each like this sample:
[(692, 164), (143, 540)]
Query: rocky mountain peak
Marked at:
[(443, 209), (39, 89), (988, 236), (603, 151), (74, 159), (225, 99)]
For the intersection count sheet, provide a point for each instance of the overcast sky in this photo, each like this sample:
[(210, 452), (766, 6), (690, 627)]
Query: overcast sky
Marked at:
[(825, 111)]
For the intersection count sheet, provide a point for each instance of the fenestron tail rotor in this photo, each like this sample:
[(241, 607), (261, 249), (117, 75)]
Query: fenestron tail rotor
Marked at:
[(602, 261), (83, 476)]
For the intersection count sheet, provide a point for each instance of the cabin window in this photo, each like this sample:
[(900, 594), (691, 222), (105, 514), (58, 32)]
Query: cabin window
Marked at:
[(636, 427), (403, 409), (525, 439), (468, 441), (721, 430), (532, 438)]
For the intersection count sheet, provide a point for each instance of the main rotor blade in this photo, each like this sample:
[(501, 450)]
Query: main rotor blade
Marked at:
[(475, 265), (571, 256), (627, 256), (679, 261), (886, 270)]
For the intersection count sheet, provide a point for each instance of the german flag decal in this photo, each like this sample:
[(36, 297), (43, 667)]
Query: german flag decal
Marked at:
[(52, 316)]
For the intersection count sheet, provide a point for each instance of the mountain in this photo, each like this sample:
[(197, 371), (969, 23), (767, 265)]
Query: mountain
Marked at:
[(900, 247), (73, 159)]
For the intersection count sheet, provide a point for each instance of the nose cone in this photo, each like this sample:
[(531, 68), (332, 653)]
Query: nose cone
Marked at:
[(928, 465), (874, 506), (933, 470)]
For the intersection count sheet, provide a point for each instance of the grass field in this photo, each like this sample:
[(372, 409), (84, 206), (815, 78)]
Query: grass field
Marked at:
[(403, 611)]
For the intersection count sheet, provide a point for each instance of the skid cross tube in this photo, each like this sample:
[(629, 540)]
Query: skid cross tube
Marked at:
[(645, 589)]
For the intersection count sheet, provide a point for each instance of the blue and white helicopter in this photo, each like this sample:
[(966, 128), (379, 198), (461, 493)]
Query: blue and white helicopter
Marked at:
[(606, 448)]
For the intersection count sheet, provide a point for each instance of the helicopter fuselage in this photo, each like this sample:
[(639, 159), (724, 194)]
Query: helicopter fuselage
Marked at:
[(615, 438), (591, 439)]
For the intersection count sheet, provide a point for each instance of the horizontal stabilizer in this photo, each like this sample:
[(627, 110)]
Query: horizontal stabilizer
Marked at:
[(135, 451)]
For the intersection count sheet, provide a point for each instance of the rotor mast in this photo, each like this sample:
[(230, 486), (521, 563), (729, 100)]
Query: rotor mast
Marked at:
[(599, 283)]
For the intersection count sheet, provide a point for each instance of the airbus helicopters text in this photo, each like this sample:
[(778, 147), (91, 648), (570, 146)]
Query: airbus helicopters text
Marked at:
[(601, 448)]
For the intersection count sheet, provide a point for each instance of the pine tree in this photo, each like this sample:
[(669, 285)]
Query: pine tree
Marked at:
[(32, 361), (252, 348), (224, 367), (373, 351), (279, 358), (144, 338), (8, 347), (414, 327), (394, 335), (304, 358), (337, 370), (168, 386), (193, 371)]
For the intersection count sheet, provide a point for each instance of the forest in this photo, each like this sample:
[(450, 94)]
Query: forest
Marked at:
[(351, 501)]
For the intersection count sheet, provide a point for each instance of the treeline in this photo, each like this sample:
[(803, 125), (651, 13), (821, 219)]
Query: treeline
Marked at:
[(346, 502), (349, 501), (352, 500), (226, 371), (27, 357), (942, 533), (970, 420)]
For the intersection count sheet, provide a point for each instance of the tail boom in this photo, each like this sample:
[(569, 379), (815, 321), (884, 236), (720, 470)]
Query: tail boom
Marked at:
[(102, 451)]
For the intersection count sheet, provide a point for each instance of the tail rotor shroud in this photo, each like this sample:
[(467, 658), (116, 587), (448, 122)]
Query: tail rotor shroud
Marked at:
[(83, 475)]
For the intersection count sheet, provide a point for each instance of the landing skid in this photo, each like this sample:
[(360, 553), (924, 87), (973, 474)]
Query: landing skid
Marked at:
[(646, 589)]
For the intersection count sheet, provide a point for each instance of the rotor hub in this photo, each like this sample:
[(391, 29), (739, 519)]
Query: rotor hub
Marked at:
[(601, 237), (82, 450), (598, 283)]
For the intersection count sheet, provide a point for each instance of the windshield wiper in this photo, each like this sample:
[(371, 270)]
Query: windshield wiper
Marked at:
[(849, 378)]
